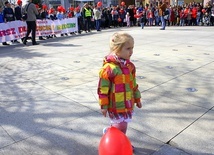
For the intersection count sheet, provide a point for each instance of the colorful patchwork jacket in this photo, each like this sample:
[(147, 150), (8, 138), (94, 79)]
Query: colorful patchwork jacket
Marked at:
[(117, 88)]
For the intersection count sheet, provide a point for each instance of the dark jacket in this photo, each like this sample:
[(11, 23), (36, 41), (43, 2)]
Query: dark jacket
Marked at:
[(18, 13), (9, 14), (143, 18), (44, 15), (1, 17)]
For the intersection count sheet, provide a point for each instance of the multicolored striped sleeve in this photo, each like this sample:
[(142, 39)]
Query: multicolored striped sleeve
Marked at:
[(104, 86), (137, 94)]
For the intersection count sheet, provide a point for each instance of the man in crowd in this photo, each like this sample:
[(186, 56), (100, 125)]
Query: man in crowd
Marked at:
[(18, 10), (97, 17), (87, 15), (9, 15), (32, 12)]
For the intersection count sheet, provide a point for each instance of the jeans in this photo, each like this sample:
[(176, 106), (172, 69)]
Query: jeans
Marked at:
[(198, 21), (163, 22), (182, 22), (142, 25), (156, 21), (151, 21), (98, 22)]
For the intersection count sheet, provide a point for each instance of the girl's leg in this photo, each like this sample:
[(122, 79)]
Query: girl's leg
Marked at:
[(121, 126)]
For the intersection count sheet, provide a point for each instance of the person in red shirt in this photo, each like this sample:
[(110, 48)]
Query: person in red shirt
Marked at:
[(194, 15), (172, 17)]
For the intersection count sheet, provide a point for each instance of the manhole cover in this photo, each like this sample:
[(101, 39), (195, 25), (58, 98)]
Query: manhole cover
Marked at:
[(174, 49), (64, 78), (169, 67), (157, 54), (134, 60), (191, 89), (190, 59), (206, 54), (76, 61), (141, 77)]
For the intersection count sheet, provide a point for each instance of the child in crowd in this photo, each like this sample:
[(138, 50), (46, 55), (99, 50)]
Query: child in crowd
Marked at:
[(143, 19), (2, 21), (128, 19), (117, 89)]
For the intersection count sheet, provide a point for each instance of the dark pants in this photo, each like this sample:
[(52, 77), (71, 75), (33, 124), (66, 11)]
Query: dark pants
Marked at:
[(31, 28), (87, 23)]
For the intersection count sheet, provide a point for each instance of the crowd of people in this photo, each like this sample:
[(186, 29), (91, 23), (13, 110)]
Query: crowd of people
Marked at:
[(98, 17)]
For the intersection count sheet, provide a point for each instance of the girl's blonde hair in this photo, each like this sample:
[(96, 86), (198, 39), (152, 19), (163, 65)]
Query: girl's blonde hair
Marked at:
[(118, 40)]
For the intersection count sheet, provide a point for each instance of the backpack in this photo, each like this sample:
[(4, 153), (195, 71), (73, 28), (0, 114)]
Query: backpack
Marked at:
[(24, 15)]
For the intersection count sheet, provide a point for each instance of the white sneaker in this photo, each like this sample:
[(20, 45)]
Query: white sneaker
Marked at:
[(105, 130)]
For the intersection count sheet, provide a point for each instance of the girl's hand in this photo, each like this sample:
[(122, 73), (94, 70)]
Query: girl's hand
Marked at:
[(139, 105), (104, 112)]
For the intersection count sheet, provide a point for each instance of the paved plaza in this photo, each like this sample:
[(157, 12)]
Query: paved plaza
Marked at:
[(49, 103)]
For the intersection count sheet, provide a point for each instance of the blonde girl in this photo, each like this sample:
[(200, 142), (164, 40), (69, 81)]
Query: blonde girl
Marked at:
[(117, 88)]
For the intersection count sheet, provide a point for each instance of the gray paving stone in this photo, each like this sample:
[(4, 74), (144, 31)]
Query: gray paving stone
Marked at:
[(5, 138), (162, 118), (203, 95), (24, 119), (169, 150), (198, 138)]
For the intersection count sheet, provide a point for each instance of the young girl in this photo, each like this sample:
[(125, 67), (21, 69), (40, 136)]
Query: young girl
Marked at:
[(117, 89)]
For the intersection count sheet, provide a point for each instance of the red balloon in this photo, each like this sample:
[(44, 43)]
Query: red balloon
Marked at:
[(44, 7), (77, 8), (115, 142), (203, 10), (51, 11), (19, 2), (37, 6), (137, 16), (59, 8), (122, 3), (99, 4), (71, 8), (63, 10)]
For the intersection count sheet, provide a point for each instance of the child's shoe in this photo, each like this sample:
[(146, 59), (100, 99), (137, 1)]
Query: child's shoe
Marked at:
[(105, 130)]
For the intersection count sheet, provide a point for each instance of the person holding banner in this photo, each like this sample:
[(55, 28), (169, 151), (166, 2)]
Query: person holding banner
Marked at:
[(32, 12), (9, 16), (78, 15), (2, 21), (18, 10)]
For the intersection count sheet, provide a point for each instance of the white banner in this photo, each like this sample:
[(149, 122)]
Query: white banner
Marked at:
[(17, 29)]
